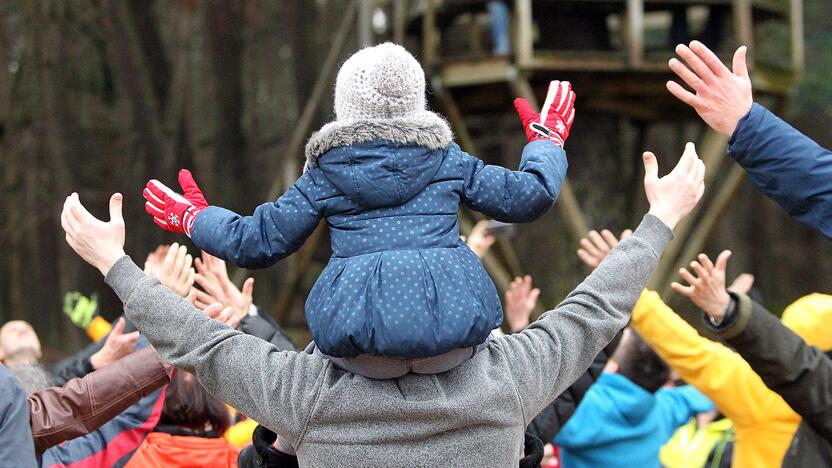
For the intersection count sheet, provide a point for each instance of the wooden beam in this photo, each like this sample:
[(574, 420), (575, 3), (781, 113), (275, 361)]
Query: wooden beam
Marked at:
[(744, 26), (399, 20), (523, 32), (429, 36), (365, 23), (567, 201), (635, 33), (796, 31)]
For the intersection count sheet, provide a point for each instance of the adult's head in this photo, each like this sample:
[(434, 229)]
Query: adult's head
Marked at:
[(19, 344), (188, 405), (637, 361)]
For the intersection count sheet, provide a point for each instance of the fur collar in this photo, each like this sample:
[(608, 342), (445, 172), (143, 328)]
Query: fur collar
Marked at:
[(424, 129)]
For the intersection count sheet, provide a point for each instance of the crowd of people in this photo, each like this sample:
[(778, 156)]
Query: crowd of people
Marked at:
[(408, 364)]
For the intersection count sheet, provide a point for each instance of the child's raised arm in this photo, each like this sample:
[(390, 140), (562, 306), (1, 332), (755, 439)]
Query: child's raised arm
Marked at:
[(274, 231), (525, 194)]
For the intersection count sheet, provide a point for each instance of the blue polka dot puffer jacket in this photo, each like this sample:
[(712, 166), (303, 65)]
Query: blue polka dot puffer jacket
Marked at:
[(400, 282)]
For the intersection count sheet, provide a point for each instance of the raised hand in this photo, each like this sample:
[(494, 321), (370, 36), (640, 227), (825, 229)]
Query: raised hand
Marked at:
[(174, 270), (595, 247), (674, 196), (706, 288), (212, 277), (721, 97), (80, 309), (172, 211), (117, 345), (224, 315), (555, 119), (521, 300), (479, 239), (100, 244)]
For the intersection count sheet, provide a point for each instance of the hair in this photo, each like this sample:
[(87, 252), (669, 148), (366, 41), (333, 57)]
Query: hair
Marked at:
[(32, 377), (188, 404), (638, 362)]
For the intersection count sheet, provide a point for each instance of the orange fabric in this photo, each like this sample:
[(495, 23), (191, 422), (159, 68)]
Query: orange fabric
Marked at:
[(160, 449)]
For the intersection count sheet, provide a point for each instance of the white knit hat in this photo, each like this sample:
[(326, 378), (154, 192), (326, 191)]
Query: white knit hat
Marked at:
[(379, 82), (380, 93)]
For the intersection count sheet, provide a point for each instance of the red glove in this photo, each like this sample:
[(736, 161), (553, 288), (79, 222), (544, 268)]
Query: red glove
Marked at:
[(172, 211), (555, 119)]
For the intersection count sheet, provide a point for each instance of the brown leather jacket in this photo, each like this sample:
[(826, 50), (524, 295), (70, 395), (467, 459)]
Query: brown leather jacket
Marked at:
[(82, 405)]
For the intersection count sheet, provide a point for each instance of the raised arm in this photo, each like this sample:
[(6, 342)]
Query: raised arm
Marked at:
[(800, 373), (560, 346), (276, 388), (274, 231), (785, 164), (525, 194)]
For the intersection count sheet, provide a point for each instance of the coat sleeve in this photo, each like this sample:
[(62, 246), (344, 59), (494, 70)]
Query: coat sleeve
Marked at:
[(515, 196), (16, 448), (274, 231), (553, 352), (800, 373), (276, 388), (721, 374), (548, 423), (787, 166), (678, 405), (83, 405)]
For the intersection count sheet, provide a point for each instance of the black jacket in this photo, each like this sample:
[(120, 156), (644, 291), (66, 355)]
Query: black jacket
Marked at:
[(264, 327), (548, 423), (800, 373)]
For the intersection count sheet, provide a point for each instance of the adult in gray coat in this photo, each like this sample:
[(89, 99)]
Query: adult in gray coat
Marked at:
[(475, 414)]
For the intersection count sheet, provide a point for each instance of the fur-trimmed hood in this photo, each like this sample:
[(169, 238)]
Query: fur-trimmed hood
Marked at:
[(420, 129)]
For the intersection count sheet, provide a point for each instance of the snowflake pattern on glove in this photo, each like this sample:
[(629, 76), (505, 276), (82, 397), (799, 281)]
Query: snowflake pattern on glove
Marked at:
[(174, 220)]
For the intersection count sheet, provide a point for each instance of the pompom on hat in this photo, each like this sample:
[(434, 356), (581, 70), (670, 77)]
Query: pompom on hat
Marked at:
[(380, 94)]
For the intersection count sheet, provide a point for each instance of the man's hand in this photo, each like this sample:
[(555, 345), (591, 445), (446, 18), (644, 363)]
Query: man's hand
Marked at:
[(117, 345), (556, 117), (100, 244), (479, 239), (172, 211), (174, 269), (722, 97), (674, 196), (595, 247), (521, 300), (216, 286), (707, 288)]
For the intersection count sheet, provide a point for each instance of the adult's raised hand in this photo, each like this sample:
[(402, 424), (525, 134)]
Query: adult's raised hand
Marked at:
[(595, 246), (212, 277), (521, 300), (706, 285), (175, 271), (674, 196), (99, 243), (117, 345), (720, 96)]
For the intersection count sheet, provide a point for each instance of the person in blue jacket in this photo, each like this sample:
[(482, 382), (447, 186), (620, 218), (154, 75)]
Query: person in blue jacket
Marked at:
[(402, 292), (625, 417), (786, 165)]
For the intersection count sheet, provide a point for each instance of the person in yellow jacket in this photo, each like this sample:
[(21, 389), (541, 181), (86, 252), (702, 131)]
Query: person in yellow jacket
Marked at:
[(764, 424), (693, 443)]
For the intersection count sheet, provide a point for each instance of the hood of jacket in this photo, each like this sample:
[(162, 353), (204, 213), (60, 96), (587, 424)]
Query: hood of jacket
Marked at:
[(381, 163), (619, 406)]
